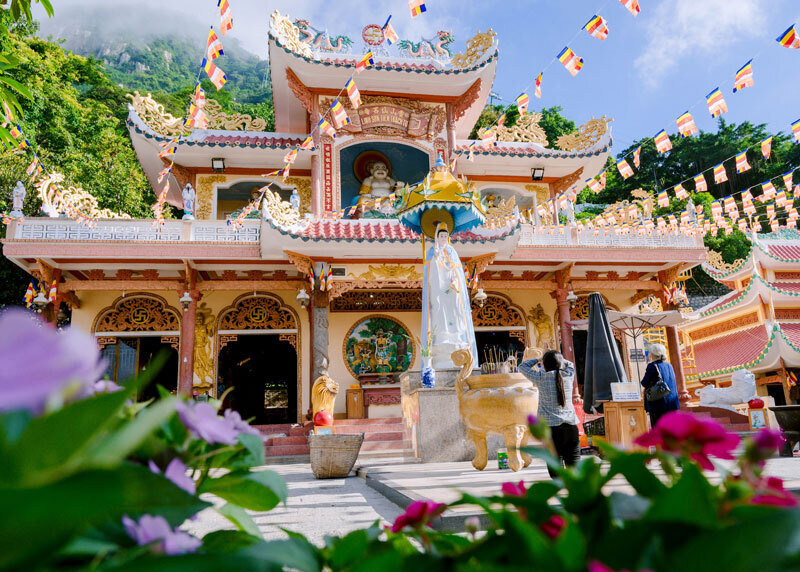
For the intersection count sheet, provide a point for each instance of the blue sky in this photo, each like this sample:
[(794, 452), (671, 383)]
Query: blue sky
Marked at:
[(649, 70)]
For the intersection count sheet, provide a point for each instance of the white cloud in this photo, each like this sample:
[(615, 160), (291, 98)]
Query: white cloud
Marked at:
[(680, 29)]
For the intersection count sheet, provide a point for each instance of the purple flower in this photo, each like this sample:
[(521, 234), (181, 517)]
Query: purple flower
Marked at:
[(768, 441), (39, 362), (202, 420), (239, 424), (155, 529), (176, 472), (105, 386)]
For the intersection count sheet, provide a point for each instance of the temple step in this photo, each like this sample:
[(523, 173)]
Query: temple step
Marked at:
[(732, 421)]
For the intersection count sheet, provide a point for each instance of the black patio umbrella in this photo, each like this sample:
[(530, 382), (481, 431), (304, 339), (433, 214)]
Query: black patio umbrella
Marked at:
[(604, 365)]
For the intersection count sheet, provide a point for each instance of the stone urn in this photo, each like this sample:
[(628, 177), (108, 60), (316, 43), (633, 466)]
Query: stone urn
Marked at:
[(333, 456)]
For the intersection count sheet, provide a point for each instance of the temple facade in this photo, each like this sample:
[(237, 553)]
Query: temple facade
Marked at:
[(756, 326), (232, 306)]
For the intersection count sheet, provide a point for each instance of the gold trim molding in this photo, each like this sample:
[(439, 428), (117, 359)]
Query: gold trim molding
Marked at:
[(205, 194), (476, 47), (585, 136)]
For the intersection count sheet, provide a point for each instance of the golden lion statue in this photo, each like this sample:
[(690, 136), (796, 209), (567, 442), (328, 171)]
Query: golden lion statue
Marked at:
[(323, 392), (496, 403)]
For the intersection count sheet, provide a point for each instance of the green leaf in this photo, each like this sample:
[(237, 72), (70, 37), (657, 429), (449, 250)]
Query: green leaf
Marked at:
[(689, 501), (571, 548), (21, 89), (238, 516), (633, 466), (228, 541), (255, 449), (46, 518), (261, 490), (294, 553), (351, 548)]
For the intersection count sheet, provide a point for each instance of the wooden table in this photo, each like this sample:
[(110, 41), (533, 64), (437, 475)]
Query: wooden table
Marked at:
[(625, 420)]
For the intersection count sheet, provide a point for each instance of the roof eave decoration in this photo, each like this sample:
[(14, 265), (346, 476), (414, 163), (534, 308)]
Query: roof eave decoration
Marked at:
[(720, 270), (753, 363), (528, 143)]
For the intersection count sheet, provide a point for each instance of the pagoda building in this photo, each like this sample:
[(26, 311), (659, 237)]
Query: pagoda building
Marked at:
[(756, 326), (307, 283)]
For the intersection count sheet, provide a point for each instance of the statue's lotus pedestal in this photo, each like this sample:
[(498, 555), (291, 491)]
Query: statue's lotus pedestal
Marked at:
[(432, 420)]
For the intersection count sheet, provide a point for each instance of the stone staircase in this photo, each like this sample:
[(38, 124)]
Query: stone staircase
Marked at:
[(732, 421), (382, 438)]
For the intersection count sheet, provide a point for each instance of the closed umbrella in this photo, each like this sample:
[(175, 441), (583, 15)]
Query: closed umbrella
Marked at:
[(603, 363)]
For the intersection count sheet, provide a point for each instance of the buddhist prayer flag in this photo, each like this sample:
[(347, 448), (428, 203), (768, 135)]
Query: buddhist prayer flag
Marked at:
[(24, 144), (663, 199), (624, 169), (663, 144), (164, 172), (597, 27), (215, 74), (602, 179), (781, 199), (796, 130), (730, 206), (388, 32), (214, 49), (340, 118), (680, 192), (789, 39), (417, 7), (632, 6), (767, 191), (720, 176), (197, 117), (169, 148), (637, 156), (741, 162), (594, 184), (307, 144), (353, 93), (686, 125), (716, 103), (743, 225), (32, 167), (53, 291), (522, 103), (787, 180), (199, 96), (501, 119), (744, 77), (290, 156), (225, 16), (570, 61), (30, 293), (538, 92), (16, 132), (7, 114), (770, 212), (365, 62), (766, 147), (326, 128), (716, 210)]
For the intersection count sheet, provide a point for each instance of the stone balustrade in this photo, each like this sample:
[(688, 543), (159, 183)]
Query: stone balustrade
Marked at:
[(531, 236)]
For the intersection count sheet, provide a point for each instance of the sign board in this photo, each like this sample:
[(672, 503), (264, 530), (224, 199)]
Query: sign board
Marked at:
[(637, 355), (625, 392)]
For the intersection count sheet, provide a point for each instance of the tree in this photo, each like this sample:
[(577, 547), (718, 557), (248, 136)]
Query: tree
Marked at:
[(554, 124)]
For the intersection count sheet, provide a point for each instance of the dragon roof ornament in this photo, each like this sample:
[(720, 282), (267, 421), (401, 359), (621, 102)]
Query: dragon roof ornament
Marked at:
[(477, 46), (159, 120), (54, 197), (585, 136), (288, 34), (527, 129)]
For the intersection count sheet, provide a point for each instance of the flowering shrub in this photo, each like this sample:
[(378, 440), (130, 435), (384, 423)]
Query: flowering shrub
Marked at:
[(91, 480)]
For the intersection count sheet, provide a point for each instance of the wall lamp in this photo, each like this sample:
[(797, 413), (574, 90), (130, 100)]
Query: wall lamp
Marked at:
[(537, 173), (218, 165)]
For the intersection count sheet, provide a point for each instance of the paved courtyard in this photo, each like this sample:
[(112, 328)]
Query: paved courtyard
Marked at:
[(379, 491)]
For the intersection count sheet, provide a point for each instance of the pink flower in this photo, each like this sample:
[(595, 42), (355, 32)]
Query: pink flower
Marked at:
[(553, 526), (770, 491), (202, 420), (514, 489), (532, 419), (768, 441), (694, 436), (418, 514), (595, 566), (240, 425), (176, 472), (155, 529)]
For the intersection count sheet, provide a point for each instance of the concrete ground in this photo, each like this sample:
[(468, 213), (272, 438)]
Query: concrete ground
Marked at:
[(383, 489)]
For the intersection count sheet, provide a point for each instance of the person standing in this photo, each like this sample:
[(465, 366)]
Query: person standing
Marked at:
[(555, 378), (660, 369)]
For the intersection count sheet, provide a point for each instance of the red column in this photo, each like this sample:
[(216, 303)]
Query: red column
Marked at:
[(675, 359), (186, 367), (451, 134)]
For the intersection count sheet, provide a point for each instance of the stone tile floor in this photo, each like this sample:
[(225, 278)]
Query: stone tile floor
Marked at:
[(336, 506)]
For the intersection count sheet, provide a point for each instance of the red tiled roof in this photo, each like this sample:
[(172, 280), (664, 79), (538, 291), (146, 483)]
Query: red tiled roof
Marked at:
[(784, 251), (255, 140), (376, 229), (792, 332), (786, 286), (722, 300), (735, 349)]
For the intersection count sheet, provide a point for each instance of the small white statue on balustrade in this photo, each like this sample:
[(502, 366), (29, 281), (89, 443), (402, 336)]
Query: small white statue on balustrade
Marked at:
[(189, 202), (569, 211), (741, 390), (294, 200), (18, 199)]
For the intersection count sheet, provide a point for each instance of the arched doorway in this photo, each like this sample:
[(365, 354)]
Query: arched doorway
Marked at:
[(258, 359), (132, 332), (500, 328)]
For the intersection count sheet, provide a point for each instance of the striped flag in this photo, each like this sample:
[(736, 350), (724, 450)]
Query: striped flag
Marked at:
[(32, 167), (716, 103), (767, 191), (594, 184), (637, 153), (353, 93), (663, 199), (789, 39), (632, 6), (501, 119), (522, 103), (199, 96), (7, 113), (781, 199), (214, 48), (197, 117), (16, 132), (597, 27), (307, 144), (570, 61), (225, 16), (538, 91), (215, 74), (388, 32), (787, 180), (771, 212), (365, 62), (730, 207), (680, 192), (744, 77), (686, 125), (602, 176), (326, 128), (624, 169), (766, 147), (741, 162), (169, 148), (720, 176), (796, 130), (340, 118), (663, 144), (290, 157), (417, 7), (716, 210)]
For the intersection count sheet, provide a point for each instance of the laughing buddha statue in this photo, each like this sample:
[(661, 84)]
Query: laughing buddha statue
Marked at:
[(378, 186)]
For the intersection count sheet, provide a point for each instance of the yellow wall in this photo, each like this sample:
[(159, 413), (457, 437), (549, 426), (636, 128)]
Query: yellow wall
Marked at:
[(228, 207)]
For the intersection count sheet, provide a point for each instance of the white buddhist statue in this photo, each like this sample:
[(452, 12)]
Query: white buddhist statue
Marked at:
[(18, 200), (294, 200), (377, 186), (189, 202), (446, 312)]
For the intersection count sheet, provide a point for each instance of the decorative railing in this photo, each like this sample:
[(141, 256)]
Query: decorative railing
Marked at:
[(106, 230), (545, 236), (221, 231), (531, 236)]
